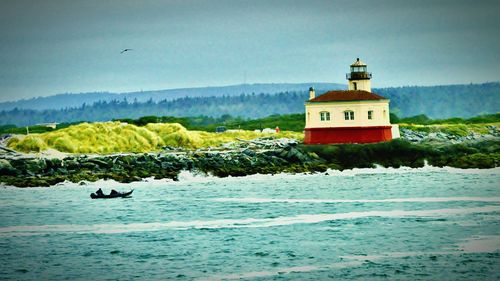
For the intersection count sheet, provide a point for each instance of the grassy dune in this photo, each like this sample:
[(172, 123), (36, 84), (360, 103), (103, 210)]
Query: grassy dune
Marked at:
[(453, 129), (112, 137)]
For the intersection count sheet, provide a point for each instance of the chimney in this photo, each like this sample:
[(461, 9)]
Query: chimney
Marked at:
[(312, 94)]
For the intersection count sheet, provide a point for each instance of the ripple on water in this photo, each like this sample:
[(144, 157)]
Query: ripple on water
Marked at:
[(357, 224)]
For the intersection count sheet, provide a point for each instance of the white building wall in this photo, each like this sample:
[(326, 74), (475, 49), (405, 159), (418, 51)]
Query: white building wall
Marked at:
[(395, 131), (364, 85), (360, 108)]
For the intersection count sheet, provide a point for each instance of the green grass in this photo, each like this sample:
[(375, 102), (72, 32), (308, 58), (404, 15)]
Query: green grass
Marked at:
[(35, 129), (424, 120), (452, 129), (150, 133), (112, 137), (289, 122)]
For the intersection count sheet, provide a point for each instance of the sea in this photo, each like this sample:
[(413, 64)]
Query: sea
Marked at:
[(362, 224)]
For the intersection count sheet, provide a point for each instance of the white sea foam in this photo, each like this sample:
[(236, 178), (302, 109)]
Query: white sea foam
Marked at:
[(287, 270), (481, 244), (29, 230), (403, 169), (390, 200), (189, 177), (353, 261)]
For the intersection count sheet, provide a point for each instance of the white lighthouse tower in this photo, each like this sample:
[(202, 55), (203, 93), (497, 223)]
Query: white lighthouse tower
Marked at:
[(359, 78)]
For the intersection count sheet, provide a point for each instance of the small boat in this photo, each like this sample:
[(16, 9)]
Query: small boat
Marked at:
[(111, 195)]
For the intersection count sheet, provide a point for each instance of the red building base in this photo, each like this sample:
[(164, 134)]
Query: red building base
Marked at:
[(347, 135)]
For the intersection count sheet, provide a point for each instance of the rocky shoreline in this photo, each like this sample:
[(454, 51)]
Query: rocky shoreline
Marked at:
[(240, 159), (29, 171), (414, 136)]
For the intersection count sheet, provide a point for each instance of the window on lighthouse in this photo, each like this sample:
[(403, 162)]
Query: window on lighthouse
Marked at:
[(370, 114), (349, 115), (324, 116)]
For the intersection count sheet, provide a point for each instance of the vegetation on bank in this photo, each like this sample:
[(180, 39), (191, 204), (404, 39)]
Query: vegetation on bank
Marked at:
[(112, 137), (36, 129), (398, 152), (151, 133), (296, 123), (423, 119), (290, 122), (460, 130)]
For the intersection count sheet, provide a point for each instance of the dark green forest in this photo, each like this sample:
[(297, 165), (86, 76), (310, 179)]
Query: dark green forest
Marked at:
[(288, 122), (69, 100), (436, 102), (444, 101)]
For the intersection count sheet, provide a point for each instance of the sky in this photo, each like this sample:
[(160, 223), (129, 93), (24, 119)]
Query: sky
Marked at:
[(57, 46)]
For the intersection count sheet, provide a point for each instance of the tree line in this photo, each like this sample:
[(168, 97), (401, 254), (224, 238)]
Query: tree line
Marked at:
[(287, 122), (435, 102)]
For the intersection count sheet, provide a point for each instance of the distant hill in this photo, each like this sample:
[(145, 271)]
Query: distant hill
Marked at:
[(68, 100), (437, 102)]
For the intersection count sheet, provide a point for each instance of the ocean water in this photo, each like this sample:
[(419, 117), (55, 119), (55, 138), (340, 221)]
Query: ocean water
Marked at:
[(362, 224)]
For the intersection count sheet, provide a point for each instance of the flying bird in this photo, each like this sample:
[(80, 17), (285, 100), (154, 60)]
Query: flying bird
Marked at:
[(125, 50)]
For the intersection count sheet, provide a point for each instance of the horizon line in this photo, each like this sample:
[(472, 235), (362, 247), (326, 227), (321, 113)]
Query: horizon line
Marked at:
[(233, 85)]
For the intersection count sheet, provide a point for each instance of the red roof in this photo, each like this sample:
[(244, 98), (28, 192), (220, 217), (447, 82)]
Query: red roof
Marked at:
[(347, 96)]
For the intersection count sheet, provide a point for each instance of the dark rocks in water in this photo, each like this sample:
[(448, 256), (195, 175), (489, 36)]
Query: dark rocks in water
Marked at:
[(102, 163), (249, 152), (71, 163), (62, 171), (89, 166), (25, 171), (7, 169), (53, 163)]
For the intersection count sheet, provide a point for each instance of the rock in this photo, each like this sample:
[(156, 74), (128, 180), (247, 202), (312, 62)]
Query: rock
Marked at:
[(71, 163), (249, 152), (53, 163), (35, 166), (100, 162), (62, 171), (89, 166), (7, 169), (166, 165)]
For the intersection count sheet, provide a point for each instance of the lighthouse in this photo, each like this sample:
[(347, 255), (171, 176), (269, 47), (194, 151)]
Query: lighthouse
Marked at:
[(353, 116), (359, 77)]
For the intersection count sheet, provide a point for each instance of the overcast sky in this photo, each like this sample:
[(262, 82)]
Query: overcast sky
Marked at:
[(49, 47)]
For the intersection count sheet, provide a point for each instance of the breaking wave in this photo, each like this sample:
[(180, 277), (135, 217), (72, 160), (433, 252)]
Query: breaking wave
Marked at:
[(28, 230), (391, 200)]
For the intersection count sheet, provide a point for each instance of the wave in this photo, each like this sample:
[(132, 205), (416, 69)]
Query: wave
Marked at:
[(188, 177), (30, 230), (191, 177), (352, 262), (280, 271), (481, 244), (403, 170), (390, 200)]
